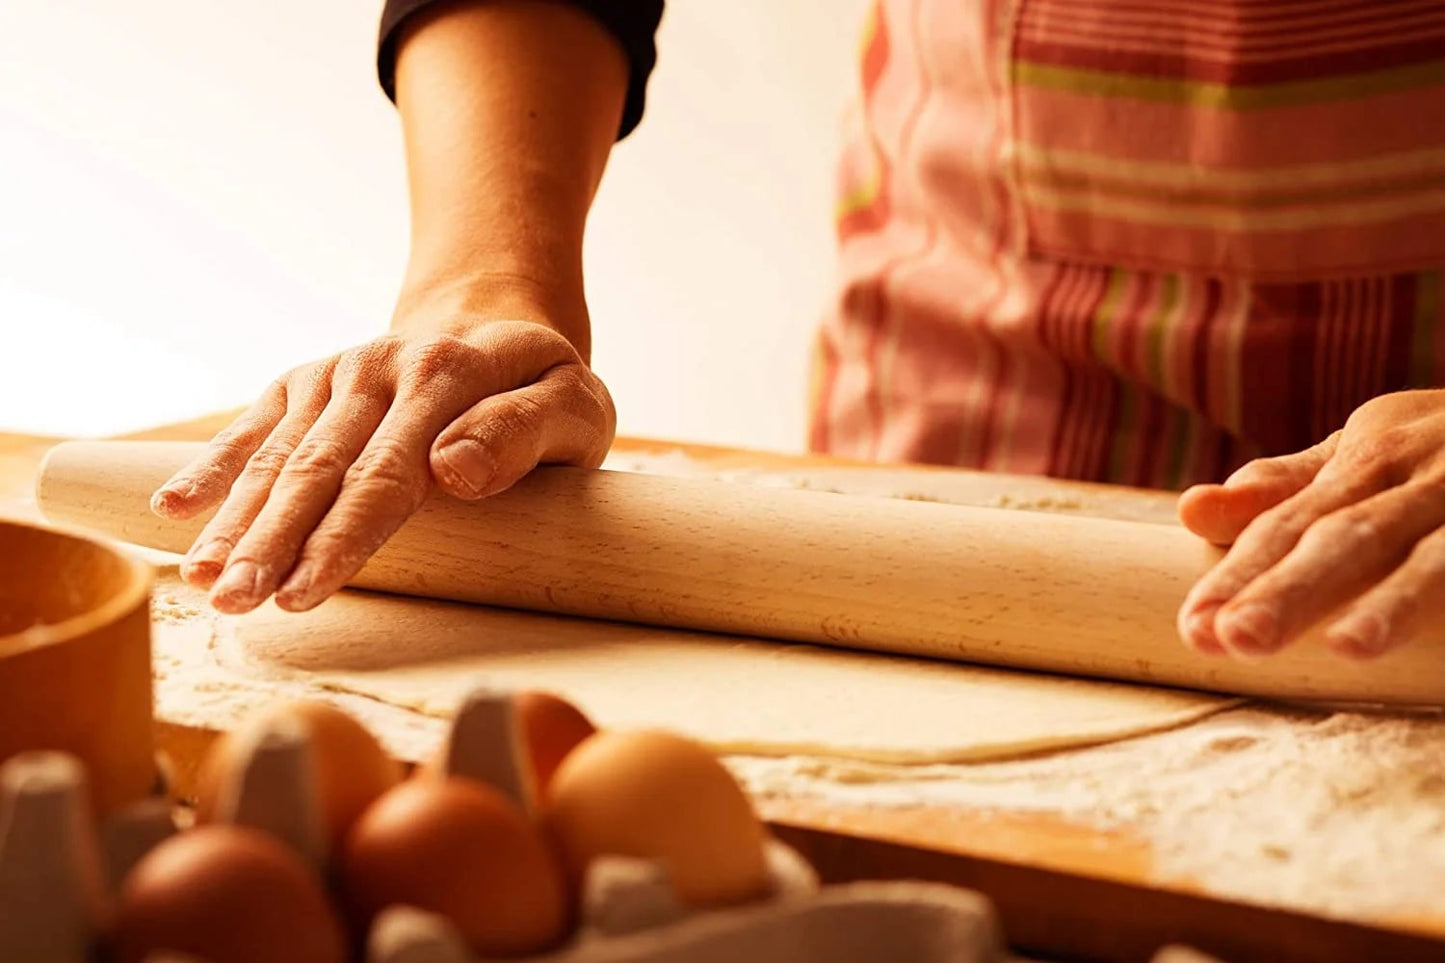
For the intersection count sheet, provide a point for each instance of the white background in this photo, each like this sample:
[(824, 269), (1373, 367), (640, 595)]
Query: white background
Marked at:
[(198, 194)]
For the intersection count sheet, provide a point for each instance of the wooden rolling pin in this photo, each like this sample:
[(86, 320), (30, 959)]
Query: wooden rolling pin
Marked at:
[(1059, 593)]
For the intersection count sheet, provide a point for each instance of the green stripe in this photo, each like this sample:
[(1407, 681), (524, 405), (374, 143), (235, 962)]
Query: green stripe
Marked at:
[(1154, 333), (1225, 96), (1124, 432), (1179, 446), (1206, 197), (1422, 337), (1104, 316), (1101, 338)]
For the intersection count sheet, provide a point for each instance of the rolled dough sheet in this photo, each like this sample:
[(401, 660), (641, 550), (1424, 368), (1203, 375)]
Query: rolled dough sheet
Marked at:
[(736, 695)]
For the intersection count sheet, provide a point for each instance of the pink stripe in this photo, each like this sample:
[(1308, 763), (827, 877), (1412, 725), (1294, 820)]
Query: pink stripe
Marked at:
[(1196, 28), (1165, 43), (1339, 132), (1406, 244), (1072, 300), (1241, 9), (1001, 231)]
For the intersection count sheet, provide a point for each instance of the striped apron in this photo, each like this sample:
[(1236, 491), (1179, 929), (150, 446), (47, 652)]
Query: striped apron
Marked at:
[(1136, 241)]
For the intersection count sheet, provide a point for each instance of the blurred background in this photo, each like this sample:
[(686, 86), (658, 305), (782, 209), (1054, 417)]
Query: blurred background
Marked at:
[(196, 195)]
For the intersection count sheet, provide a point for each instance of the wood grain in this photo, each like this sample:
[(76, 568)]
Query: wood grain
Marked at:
[(75, 658), (1056, 593)]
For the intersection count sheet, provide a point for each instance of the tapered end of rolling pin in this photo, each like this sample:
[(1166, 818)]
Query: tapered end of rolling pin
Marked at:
[(106, 487)]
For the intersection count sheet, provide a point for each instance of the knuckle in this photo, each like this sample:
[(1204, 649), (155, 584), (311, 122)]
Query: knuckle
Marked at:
[(388, 472), (1260, 471), (233, 444), (366, 363), (269, 459), (317, 457), (436, 358), (1379, 455), (517, 417), (1355, 527)]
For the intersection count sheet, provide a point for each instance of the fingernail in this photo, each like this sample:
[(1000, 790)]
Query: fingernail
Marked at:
[(469, 464), (1198, 631), (1360, 636), (238, 585), (294, 590), (203, 563), (1250, 628)]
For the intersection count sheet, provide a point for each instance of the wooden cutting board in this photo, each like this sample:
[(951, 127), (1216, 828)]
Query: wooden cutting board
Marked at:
[(1062, 889)]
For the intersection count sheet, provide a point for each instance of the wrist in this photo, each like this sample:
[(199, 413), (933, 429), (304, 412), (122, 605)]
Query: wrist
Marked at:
[(459, 305)]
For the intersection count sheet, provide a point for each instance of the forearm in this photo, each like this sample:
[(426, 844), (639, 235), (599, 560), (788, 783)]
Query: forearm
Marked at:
[(509, 109)]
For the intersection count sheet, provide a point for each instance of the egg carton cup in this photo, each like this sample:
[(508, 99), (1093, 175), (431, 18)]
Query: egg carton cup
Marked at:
[(60, 871)]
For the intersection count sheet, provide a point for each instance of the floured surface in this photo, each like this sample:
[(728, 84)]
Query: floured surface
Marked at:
[(736, 695), (193, 688), (1333, 813)]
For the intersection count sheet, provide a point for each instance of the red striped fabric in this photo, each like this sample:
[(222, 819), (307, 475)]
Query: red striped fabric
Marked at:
[(1133, 241)]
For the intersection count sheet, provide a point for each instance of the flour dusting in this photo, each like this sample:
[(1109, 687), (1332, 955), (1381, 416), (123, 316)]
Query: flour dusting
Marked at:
[(1340, 814)]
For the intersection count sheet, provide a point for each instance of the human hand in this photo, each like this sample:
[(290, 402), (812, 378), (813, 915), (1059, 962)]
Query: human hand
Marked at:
[(336, 454), (1349, 532)]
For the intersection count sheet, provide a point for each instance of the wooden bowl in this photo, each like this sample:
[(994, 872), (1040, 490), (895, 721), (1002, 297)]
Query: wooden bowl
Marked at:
[(75, 672)]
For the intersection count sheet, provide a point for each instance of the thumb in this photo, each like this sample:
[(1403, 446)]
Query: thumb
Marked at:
[(492, 445), (1220, 512)]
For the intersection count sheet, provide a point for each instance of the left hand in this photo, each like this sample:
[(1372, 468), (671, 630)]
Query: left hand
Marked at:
[(1351, 531)]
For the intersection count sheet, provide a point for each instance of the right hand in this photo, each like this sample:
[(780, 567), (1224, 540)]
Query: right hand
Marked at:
[(336, 454)]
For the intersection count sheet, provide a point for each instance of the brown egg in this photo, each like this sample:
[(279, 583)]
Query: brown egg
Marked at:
[(659, 796), (463, 850), (352, 769), (551, 727), (226, 894)]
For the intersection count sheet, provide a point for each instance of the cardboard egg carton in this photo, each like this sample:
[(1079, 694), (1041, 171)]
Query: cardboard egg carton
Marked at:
[(59, 873)]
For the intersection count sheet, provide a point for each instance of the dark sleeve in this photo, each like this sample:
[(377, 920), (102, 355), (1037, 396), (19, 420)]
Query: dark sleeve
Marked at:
[(632, 22)]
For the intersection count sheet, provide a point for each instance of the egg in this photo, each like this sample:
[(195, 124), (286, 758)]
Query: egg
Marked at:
[(659, 796), (226, 894), (462, 850), (551, 728), (352, 769)]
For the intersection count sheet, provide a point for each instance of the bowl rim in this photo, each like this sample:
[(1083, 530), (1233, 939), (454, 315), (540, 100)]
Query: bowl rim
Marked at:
[(132, 594)]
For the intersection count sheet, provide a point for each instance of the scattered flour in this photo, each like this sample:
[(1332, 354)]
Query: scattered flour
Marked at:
[(193, 688), (1340, 814)]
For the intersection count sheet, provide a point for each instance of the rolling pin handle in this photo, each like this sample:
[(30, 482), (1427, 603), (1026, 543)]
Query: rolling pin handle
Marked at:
[(52, 891)]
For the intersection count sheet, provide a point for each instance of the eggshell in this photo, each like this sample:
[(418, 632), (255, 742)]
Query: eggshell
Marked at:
[(551, 727), (352, 769), (464, 851), (226, 894), (658, 796)]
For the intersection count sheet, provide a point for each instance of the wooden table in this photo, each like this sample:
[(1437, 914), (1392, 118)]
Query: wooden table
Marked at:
[(1063, 890)]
